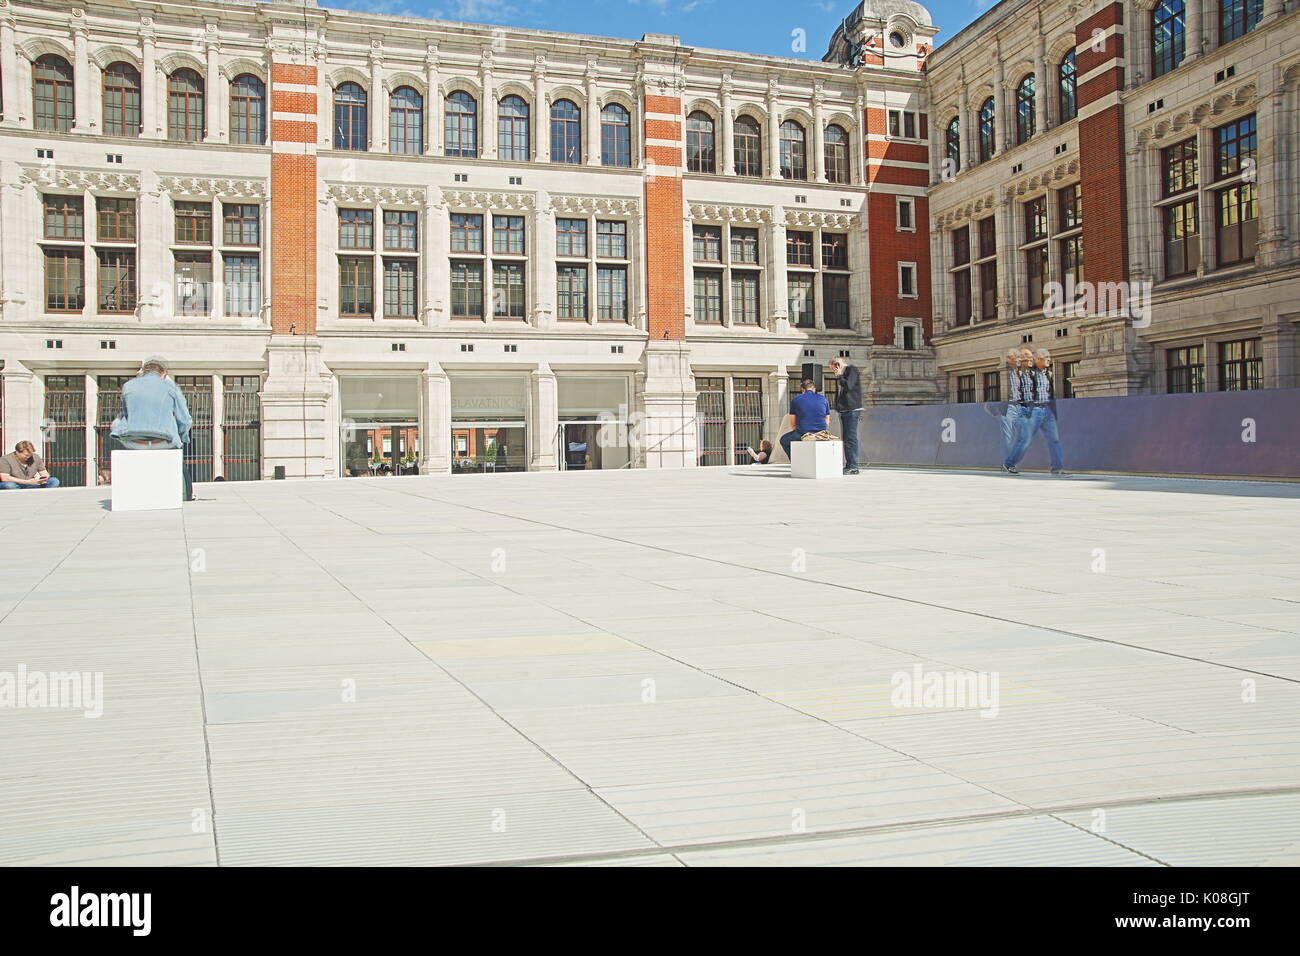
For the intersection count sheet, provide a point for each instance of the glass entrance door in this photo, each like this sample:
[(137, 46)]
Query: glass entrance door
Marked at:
[(380, 449), (484, 447), (590, 445)]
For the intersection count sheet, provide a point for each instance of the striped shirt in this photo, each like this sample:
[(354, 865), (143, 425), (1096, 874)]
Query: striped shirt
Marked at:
[(1039, 387)]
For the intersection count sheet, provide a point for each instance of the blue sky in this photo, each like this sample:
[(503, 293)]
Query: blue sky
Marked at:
[(752, 26)]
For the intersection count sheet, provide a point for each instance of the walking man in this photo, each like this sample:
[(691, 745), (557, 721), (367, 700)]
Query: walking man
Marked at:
[(25, 469), (1042, 414), (154, 414), (1017, 413), (809, 412), (848, 402)]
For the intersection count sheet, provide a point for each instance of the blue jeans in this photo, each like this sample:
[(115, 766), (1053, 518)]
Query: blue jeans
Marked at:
[(849, 425), (788, 439), (1042, 419), (1013, 423), (52, 482)]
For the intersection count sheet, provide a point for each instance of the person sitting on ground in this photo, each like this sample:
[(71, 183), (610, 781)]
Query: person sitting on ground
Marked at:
[(809, 413), (154, 415), (764, 454), (23, 468)]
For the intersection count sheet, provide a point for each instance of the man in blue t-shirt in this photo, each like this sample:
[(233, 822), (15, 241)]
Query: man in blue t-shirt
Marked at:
[(809, 412)]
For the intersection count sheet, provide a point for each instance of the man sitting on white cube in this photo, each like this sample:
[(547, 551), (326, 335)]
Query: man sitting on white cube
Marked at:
[(154, 419), (810, 413)]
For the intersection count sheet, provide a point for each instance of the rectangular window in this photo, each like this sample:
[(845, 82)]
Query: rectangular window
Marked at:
[(708, 297), (194, 223), (798, 248), (988, 238), (571, 287), (906, 220), (989, 291), (744, 245), (193, 283), (1068, 371), (1185, 369), (508, 235), (243, 283), (1070, 207), (611, 239), (356, 229), (902, 123), (1234, 147), (1036, 276), (1036, 219), (744, 298), (907, 280), (508, 290), (399, 288), (401, 230), (1071, 251), (64, 280), (1182, 239), (242, 224), (835, 250), (1178, 167), (571, 239), (800, 300), (966, 388), (961, 292), (1241, 366), (961, 246), (116, 286), (1237, 212), (611, 294), (64, 217), (467, 290), (116, 219), (909, 338), (992, 386), (467, 236), (356, 286), (706, 243), (835, 301)]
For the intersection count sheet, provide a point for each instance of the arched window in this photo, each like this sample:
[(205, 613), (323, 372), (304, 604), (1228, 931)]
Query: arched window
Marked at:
[(405, 121), (615, 136), (52, 93), (461, 126), (121, 100), (700, 155), (794, 151), (1025, 110), (185, 106), (512, 129), (952, 144), (1067, 81), (837, 154), (748, 147), (1238, 17), (247, 110), (988, 130), (351, 117), (566, 132), (1168, 36)]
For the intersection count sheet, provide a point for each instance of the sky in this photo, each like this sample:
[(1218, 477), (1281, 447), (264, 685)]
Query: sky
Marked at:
[(796, 28)]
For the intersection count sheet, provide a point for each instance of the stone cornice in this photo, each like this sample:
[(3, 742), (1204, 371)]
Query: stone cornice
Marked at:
[(717, 212), (1185, 119), (233, 187), (376, 195), (68, 177)]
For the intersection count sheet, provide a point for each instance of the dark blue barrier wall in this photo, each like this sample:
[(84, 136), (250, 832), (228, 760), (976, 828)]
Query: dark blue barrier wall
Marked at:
[(1146, 434)]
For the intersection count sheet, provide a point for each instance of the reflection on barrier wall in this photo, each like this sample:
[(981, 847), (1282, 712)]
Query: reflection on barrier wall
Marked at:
[(1247, 434)]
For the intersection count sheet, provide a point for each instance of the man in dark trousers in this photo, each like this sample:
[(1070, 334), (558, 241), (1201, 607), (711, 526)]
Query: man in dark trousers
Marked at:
[(848, 402), (809, 413)]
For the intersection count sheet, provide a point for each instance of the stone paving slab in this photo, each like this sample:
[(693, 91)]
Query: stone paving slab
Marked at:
[(657, 669)]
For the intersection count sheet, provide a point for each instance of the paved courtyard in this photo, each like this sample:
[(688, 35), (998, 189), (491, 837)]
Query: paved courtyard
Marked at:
[(694, 667)]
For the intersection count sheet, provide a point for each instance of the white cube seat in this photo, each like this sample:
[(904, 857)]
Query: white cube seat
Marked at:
[(817, 459), (147, 480)]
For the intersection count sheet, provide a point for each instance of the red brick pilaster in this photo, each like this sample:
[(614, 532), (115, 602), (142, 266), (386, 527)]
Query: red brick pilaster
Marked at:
[(293, 199), (665, 263), (1099, 56)]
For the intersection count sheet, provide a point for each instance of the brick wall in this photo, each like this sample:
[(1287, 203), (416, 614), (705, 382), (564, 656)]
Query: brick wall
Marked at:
[(665, 263), (1101, 146), (293, 199)]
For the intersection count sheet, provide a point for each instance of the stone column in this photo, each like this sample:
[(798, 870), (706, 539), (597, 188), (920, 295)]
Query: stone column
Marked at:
[(1008, 267), (818, 143), (944, 309), (378, 99), (1192, 30), (1042, 122), (435, 430), (540, 118), (777, 294), (296, 426), (213, 133), (8, 67), (487, 147), (727, 160), (1205, 208), (1143, 251), (437, 274), (541, 262), (773, 132), (24, 408), (669, 395), (150, 103), (967, 154), (1269, 168), (324, 100), (84, 118), (432, 102), (636, 287), (592, 131), (545, 415), (1001, 135)]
